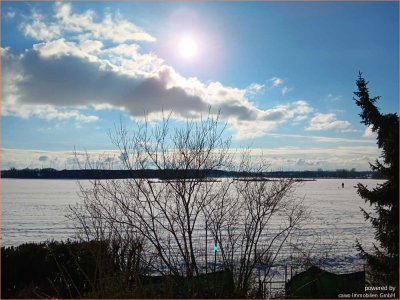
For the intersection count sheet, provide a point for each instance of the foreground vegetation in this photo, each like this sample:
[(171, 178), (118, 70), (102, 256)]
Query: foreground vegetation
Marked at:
[(384, 259), (93, 270), (174, 225)]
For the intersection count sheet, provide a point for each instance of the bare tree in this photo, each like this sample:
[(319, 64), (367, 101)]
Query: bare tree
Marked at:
[(253, 223), (249, 219)]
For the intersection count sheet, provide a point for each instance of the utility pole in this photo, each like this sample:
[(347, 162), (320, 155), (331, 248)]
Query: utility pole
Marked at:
[(215, 255), (206, 247), (286, 273)]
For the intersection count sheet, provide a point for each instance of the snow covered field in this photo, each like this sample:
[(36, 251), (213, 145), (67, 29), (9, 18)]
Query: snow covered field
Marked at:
[(34, 211)]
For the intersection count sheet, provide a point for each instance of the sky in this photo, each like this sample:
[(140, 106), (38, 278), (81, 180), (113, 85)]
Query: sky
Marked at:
[(282, 75)]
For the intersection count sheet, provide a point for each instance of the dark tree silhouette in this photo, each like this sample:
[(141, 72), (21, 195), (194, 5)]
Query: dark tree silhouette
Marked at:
[(383, 260), (179, 218)]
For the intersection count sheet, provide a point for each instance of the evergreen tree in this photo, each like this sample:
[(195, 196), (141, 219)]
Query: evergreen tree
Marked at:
[(383, 261)]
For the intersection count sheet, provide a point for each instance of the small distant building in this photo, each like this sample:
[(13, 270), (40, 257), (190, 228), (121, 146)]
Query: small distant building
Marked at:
[(317, 283)]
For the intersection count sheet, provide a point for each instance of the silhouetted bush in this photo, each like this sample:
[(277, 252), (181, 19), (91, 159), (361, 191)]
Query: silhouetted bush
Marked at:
[(53, 269), (90, 270)]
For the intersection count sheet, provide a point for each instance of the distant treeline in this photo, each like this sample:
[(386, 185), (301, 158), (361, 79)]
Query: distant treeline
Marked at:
[(50, 173)]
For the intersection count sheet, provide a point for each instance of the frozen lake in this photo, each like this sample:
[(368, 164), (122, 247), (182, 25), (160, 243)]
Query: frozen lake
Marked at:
[(34, 211)]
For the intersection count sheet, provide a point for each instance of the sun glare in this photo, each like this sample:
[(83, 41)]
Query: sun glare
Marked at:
[(187, 47)]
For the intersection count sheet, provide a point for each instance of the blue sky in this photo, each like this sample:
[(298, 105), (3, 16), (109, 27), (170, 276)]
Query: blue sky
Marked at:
[(282, 74)]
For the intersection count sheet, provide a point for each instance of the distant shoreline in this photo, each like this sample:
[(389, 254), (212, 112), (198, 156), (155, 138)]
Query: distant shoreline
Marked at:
[(182, 174)]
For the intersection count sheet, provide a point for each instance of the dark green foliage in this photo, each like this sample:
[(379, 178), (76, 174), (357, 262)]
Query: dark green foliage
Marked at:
[(317, 283), (94, 270), (384, 198), (54, 269), (213, 285), (68, 270)]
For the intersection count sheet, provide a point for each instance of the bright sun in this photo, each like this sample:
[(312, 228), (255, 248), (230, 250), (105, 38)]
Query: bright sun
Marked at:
[(187, 47)]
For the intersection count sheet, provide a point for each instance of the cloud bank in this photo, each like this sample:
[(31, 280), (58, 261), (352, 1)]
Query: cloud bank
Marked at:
[(326, 121), (287, 158), (80, 60)]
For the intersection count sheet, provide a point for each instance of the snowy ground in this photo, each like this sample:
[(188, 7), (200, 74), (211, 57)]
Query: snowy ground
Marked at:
[(34, 211)]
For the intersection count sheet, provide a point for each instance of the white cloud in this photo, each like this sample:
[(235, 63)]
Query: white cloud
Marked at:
[(311, 158), (89, 80), (300, 118), (89, 46), (349, 130), (296, 111), (11, 94), (113, 28), (119, 76), (287, 158), (321, 139), (254, 88), (285, 90), (276, 81), (39, 30), (21, 158), (333, 98), (10, 14), (301, 110), (368, 133), (58, 48), (302, 107), (326, 121), (126, 50)]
